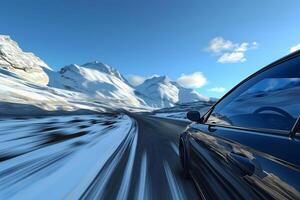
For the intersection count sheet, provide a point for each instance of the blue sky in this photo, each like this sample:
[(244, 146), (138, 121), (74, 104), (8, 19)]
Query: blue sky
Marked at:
[(215, 44)]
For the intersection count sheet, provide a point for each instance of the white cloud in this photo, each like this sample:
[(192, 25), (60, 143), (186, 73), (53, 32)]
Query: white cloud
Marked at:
[(230, 52), (217, 89), (194, 80), (295, 48), (218, 44), (242, 47), (232, 57), (254, 45), (135, 80)]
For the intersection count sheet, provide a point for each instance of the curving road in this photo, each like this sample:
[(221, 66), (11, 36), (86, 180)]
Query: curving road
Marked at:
[(156, 171), (92, 157)]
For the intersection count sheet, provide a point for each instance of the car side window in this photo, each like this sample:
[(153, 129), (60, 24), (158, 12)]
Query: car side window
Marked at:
[(269, 100)]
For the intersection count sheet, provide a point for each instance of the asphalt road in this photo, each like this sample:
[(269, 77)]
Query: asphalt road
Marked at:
[(92, 157), (156, 171), (158, 139)]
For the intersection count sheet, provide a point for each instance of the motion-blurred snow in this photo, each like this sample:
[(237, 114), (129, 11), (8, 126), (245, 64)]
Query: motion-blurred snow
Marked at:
[(37, 154)]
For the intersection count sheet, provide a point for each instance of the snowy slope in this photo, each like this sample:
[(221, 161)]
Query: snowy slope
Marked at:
[(18, 96), (26, 65), (27, 80), (24, 90), (60, 156), (29, 85), (187, 95), (160, 91), (99, 81)]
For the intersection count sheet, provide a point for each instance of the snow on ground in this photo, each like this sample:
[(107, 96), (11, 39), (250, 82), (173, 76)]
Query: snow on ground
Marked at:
[(19, 91), (37, 154), (19, 96)]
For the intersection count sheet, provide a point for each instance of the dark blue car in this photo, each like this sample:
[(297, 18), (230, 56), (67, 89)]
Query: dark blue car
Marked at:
[(247, 146)]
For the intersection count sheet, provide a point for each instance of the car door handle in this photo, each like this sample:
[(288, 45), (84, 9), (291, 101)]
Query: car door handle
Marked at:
[(243, 162)]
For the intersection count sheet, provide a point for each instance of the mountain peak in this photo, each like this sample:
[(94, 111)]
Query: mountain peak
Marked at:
[(160, 91), (5, 37), (96, 65), (157, 79), (71, 67), (24, 64)]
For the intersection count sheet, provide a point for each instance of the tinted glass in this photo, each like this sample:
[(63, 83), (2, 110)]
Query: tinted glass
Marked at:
[(269, 100)]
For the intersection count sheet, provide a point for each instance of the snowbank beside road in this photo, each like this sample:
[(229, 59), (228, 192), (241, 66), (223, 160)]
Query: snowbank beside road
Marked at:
[(38, 154)]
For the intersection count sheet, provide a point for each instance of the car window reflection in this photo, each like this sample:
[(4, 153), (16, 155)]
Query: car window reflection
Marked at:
[(272, 103)]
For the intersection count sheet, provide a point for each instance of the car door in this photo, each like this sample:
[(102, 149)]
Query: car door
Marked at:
[(246, 148)]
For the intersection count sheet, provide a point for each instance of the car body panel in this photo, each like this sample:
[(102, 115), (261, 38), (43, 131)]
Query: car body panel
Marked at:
[(216, 166), (230, 162)]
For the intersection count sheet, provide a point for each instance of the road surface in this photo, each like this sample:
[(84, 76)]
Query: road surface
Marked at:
[(156, 171), (84, 158)]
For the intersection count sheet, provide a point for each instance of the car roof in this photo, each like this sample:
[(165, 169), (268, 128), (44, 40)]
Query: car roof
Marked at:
[(283, 59)]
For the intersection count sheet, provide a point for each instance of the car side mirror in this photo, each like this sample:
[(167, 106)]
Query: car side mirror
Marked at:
[(194, 116)]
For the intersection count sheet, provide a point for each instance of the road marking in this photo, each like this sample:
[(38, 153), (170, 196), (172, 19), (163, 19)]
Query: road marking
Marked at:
[(124, 188), (142, 188), (175, 148), (173, 185)]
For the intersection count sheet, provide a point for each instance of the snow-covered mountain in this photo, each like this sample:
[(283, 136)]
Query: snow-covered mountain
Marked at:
[(25, 65), (27, 80), (24, 78), (187, 95), (99, 81), (160, 91)]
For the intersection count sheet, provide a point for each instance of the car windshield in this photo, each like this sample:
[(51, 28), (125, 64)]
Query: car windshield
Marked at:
[(269, 100)]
